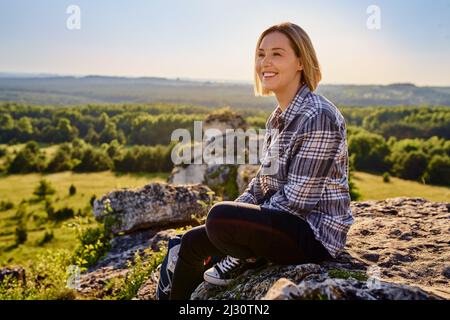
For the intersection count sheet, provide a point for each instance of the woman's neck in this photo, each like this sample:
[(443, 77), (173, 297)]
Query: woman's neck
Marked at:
[(285, 96)]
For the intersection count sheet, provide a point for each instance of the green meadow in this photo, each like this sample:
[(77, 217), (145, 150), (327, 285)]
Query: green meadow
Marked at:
[(16, 188)]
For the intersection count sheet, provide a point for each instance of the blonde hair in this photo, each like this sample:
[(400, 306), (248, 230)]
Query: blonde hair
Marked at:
[(303, 48)]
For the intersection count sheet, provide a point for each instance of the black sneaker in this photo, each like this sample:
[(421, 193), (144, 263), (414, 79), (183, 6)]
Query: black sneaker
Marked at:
[(225, 271)]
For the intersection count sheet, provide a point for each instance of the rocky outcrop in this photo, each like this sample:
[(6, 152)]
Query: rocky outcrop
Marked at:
[(222, 178), (154, 205), (308, 282), (397, 249)]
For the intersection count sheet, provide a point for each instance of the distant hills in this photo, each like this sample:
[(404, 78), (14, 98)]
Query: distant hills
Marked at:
[(47, 89)]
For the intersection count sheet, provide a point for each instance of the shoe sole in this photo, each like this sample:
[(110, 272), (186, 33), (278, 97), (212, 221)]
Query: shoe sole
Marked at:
[(216, 281)]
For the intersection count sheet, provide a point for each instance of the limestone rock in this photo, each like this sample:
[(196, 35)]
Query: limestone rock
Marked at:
[(156, 204), (191, 174), (245, 173), (397, 249), (344, 289)]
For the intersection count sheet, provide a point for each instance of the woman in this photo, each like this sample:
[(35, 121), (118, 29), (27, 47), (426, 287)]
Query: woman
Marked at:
[(301, 212)]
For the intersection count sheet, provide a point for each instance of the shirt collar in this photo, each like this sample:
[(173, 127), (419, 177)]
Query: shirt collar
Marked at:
[(293, 107)]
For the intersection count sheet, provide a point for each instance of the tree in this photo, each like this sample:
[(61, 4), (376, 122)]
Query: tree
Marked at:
[(438, 170), (62, 160), (44, 189), (29, 159), (370, 151), (93, 161), (412, 165)]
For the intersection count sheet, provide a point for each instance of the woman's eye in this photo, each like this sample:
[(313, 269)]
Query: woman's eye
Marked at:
[(276, 54)]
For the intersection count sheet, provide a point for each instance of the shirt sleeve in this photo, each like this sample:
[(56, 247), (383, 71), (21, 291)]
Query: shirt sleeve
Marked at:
[(317, 146), (249, 195)]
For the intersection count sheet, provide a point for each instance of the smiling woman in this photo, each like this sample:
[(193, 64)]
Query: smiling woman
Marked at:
[(297, 213)]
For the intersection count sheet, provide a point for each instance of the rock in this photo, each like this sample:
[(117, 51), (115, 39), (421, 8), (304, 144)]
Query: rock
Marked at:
[(191, 174), (253, 284), (343, 289), (221, 177), (387, 256), (13, 274), (154, 205), (306, 282), (409, 247), (222, 180)]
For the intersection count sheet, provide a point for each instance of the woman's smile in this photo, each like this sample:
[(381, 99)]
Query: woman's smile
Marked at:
[(269, 75)]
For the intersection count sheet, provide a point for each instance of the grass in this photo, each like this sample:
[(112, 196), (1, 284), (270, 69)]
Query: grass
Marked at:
[(372, 187), (15, 188)]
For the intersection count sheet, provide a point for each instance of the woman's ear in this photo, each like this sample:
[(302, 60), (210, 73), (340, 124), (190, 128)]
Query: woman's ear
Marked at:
[(299, 65)]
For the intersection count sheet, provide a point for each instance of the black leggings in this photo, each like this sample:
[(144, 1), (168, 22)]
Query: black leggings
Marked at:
[(243, 230)]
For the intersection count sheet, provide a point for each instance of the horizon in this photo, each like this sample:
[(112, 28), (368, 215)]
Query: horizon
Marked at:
[(43, 75), (215, 41)]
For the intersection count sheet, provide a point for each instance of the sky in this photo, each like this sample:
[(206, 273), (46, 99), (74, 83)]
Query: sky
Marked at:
[(215, 39)]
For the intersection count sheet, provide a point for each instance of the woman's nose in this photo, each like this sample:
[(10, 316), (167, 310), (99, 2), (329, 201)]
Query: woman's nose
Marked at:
[(266, 61)]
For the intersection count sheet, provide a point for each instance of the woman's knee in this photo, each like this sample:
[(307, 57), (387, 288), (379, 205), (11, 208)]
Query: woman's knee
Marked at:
[(217, 213), (191, 239)]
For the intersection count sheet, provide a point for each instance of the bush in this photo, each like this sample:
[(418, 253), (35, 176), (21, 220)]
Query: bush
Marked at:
[(6, 205), (72, 190), (91, 201), (46, 279), (386, 177), (141, 269), (59, 215), (93, 245), (21, 233)]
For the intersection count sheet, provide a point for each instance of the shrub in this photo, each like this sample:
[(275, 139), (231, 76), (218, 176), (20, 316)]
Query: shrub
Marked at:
[(6, 205), (386, 177), (91, 201), (141, 269), (59, 215), (93, 245), (21, 233), (72, 190), (46, 279)]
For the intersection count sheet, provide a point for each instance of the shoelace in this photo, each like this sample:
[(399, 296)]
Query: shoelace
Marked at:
[(227, 263)]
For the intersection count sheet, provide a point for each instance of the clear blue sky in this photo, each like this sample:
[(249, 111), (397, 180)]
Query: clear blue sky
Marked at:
[(213, 39)]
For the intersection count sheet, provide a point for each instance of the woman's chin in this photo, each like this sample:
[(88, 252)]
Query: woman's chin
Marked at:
[(269, 87)]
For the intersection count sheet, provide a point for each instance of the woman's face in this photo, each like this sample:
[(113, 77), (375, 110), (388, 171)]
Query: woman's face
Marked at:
[(277, 64)]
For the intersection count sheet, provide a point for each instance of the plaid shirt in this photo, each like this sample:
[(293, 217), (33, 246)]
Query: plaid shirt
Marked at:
[(311, 180)]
